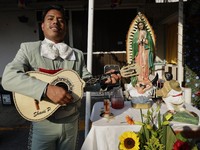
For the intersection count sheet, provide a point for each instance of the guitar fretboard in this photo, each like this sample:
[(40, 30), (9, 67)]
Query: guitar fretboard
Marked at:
[(99, 78)]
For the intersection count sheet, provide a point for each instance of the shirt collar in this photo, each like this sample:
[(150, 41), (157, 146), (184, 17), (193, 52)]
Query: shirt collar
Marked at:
[(49, 41)]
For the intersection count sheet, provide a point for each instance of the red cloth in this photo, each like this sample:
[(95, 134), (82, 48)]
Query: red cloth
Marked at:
[(49, 71), (177, 95)]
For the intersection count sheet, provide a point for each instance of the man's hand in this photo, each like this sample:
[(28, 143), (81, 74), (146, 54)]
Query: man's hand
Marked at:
[(58, 95), (114, 77)]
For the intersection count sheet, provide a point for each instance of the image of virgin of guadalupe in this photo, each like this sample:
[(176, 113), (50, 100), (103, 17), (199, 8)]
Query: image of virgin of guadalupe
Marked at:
[(142, 53), (140, 50), (143, 46)]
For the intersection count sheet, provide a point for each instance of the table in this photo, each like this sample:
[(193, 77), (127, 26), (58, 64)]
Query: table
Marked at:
[(104, 132)]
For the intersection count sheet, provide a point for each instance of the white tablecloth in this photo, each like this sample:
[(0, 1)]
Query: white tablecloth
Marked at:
[(105, 132)]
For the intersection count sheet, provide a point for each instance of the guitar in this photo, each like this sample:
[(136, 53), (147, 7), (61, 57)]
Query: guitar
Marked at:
[(34, 110)]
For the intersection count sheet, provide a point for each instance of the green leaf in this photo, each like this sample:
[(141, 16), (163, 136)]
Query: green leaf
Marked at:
[(155, 134), (142, 132), (160, 138), (148, 112), (144, 115), (193, 145), (138, 122), (164, 119), (152, 109), (141, 138), (158, 108), (165, 123), (159, 120), (147, 133), (148, 121), (195, 148), (170, 138), (141, 114), (164, 134), (181, 136)]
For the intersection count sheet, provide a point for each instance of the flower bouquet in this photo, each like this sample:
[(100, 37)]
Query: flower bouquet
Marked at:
[(152, 137)]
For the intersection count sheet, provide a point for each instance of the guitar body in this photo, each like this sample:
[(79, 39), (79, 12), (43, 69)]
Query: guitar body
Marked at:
[(34, 110)]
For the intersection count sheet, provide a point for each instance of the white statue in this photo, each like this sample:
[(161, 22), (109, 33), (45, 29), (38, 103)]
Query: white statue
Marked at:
[(172, 94)]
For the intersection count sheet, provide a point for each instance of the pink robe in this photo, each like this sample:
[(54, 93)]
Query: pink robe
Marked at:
[(142, 60)]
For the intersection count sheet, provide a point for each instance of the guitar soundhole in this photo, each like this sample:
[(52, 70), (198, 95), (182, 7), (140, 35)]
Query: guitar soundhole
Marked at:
[(62, 85)]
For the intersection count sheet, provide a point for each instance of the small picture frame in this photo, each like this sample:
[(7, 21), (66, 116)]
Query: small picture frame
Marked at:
[(6, 99)]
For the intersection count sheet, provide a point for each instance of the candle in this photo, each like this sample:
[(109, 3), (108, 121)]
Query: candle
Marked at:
[(106, 106), (187, 95)]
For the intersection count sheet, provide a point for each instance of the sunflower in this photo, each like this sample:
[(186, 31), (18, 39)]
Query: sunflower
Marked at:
[(129, 141)]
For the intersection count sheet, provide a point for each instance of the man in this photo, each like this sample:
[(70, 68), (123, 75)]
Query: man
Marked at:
[(59, 130)]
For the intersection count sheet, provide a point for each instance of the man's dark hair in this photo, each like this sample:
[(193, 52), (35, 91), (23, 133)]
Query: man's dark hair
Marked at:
[(56, 7), (168, 76)]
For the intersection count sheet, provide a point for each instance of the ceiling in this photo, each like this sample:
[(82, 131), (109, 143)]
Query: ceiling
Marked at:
[(68, 4)]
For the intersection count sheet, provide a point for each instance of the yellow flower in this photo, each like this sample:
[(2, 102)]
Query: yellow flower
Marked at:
[(149, 127), (129, 141), (168, 116)]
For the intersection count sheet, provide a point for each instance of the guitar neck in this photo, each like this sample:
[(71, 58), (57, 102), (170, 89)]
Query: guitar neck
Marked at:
[(98, 79), (127, 71)]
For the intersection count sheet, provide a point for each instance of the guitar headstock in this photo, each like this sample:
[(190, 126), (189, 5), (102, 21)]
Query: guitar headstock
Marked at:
[(130, 70)]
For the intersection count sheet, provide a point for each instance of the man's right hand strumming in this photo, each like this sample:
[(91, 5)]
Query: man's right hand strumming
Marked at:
[(58, 95)]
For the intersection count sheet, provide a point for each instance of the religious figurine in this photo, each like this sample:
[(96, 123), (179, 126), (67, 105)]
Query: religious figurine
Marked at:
[(140, 49), (171, 93), (143, 48)]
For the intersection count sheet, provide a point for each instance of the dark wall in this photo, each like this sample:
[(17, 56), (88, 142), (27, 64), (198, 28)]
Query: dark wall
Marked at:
[(109, 34), (110, 29)]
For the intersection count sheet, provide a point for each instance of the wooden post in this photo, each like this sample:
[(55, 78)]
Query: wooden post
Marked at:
[(89, 63), (180, 42)]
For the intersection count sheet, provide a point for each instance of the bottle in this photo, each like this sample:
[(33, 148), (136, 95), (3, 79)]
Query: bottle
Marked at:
[(117, 99)]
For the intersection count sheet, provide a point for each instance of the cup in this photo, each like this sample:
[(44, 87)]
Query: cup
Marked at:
[(117, 99)]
